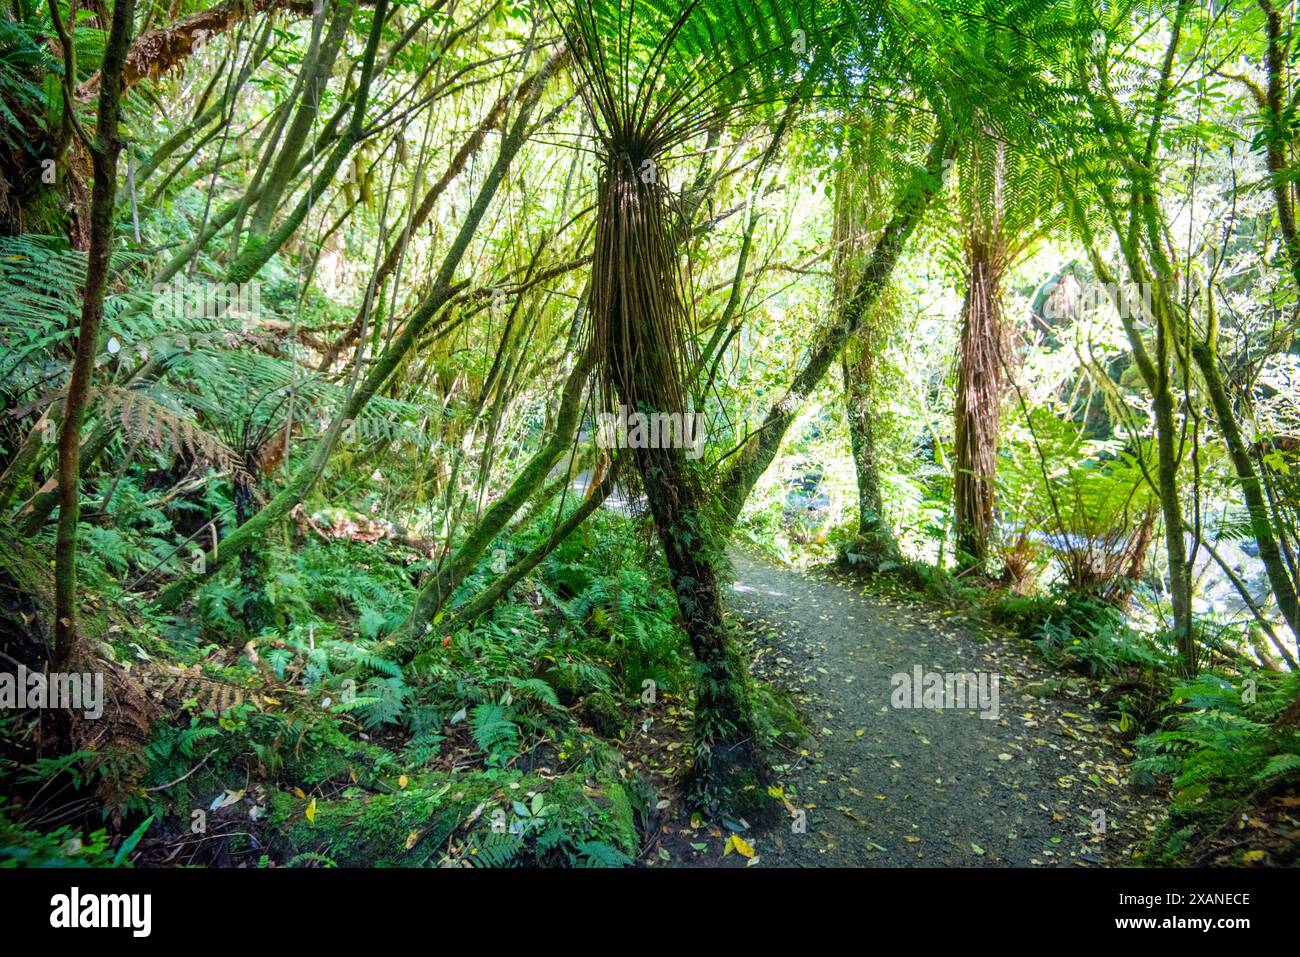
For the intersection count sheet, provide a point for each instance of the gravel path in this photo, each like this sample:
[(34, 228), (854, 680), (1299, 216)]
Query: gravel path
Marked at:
[(886, 786)]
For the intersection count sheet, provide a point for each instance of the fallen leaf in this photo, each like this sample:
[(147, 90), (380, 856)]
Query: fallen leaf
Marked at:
[(739, 845)]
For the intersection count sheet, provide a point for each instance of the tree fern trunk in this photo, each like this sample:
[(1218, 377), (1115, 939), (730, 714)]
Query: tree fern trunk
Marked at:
[(638, 316), (979, 400)]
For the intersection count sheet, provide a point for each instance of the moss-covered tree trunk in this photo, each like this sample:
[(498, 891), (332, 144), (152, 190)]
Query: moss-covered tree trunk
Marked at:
[(467, 613), (875, 542), (104, 153), (435, 594), (752, 461), (1252, 491), (1274, 111), (727, 762)]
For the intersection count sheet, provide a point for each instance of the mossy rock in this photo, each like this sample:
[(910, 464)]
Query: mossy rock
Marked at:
[(405, 828), (578, 820), (602, 805), (775, 713), (333, 757), (605, 714), (1043, 689)]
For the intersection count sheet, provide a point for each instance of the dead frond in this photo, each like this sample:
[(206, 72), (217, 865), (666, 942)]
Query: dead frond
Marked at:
[(148, 421)]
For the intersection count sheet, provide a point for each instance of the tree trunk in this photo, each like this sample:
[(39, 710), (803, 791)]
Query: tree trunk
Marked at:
[(875, 543), (761, 446), (104, 153), (1180, 580), (433, 596), (1274, 564), (469, 612), (727, 762), (979, 401), (638, 318), (1275, 136)]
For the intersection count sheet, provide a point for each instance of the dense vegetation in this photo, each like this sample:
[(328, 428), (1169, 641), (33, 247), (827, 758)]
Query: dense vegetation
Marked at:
[(316, 316)]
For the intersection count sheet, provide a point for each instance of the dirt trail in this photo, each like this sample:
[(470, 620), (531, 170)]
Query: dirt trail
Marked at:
[(885, 786)]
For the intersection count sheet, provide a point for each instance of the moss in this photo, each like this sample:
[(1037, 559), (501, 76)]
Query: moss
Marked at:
[(332, 756), (603, 711), (602, 812), (622, 830), (411, 827), (405, 828), (28, 569), (47, 213), (776, 715)]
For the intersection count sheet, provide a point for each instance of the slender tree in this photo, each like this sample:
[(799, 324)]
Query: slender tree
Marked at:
[(104, 150), (859, 199)]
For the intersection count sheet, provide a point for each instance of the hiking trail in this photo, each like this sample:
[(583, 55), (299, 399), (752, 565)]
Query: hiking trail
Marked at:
[(919, 787)]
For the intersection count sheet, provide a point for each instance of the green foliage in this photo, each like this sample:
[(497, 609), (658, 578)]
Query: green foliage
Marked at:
[(23, 59), (1221, 746), (23, 846), (494, 731), (784, 139), (1079, 631)]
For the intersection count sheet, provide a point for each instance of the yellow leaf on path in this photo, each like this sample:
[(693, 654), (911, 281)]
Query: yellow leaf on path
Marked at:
[(311, 811), (402, 781), (299, 792), (1253, 856), (911, 838), (412, 839), (739, 845)]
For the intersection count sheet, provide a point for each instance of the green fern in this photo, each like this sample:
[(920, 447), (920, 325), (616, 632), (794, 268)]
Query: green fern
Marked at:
[(493, 729)]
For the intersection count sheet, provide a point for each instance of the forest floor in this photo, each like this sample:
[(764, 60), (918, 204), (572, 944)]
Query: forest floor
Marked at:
[(893, 787)]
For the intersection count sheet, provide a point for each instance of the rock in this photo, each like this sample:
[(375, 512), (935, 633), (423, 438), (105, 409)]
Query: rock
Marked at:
[(604, 713), (1042, 689)]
